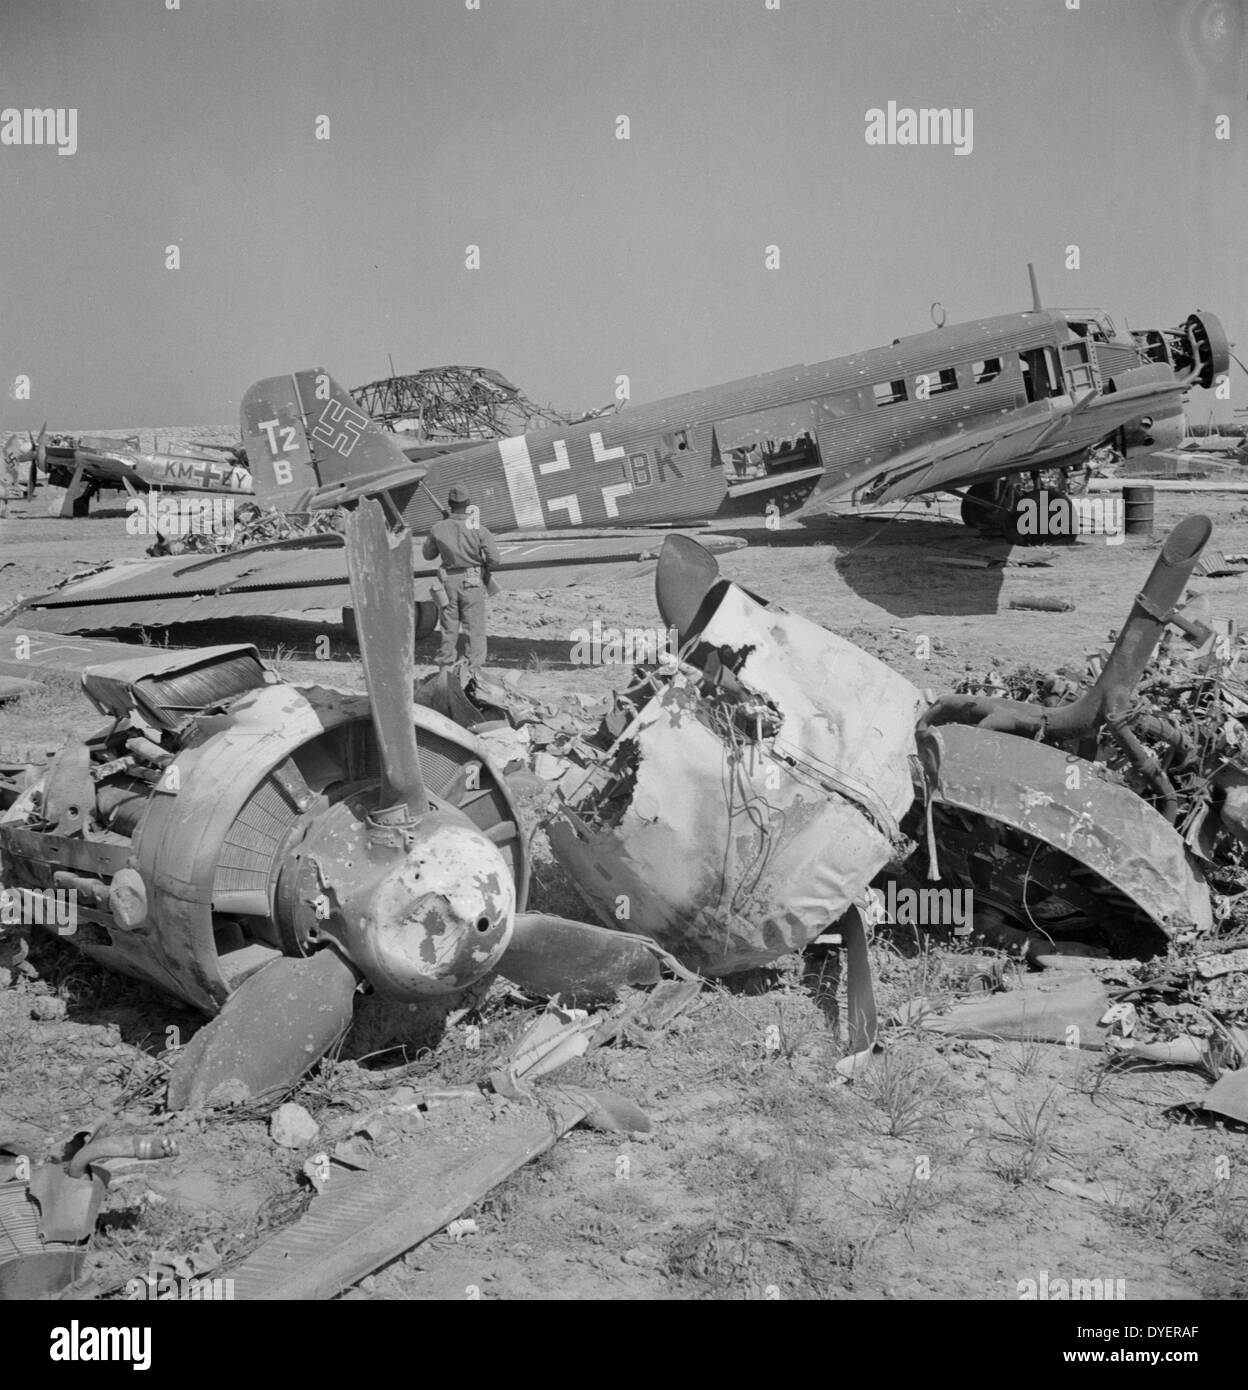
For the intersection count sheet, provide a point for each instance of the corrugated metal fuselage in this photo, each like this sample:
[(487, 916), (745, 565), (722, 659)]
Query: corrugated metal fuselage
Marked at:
[(677, 460)]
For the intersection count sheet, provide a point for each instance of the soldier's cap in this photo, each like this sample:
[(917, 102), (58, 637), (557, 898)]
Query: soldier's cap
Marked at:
[(458, 496)]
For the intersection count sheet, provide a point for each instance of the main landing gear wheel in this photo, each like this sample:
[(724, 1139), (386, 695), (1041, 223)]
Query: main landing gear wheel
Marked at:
[(1035, 519), (982, 507)]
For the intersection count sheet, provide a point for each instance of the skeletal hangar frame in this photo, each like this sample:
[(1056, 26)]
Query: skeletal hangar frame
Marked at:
[(456, 403)]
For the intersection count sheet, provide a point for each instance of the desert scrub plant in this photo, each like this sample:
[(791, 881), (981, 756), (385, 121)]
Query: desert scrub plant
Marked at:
[(1024, 1057), (1031, 1125), (908, 1089), (901, 1207)]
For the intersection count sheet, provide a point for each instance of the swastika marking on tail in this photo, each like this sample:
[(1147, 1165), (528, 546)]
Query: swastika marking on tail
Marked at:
[(339, 427)]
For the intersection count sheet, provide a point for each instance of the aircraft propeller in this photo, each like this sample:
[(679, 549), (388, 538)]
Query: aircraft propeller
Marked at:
[(410, 896), (36, 456)]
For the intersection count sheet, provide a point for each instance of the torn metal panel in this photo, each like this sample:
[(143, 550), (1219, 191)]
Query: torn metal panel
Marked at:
[(1104, 827), (735, 824), (1069, 1014), (363, 1220), (1229, 1096), (846, 717)]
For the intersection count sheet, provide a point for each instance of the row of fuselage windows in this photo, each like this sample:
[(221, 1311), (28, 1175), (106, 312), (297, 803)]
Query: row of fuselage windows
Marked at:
[(926, 385)]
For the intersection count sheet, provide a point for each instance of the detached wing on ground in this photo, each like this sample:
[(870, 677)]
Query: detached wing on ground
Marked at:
[(28, 657), (290, 578)]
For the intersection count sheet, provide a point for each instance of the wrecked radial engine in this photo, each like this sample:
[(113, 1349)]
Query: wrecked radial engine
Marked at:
[(259, 849), (223, 820)]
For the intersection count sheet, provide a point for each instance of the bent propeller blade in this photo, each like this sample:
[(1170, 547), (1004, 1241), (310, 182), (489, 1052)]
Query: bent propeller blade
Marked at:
[(686, 571), (555, 955), (383, 592), (275, 1026)]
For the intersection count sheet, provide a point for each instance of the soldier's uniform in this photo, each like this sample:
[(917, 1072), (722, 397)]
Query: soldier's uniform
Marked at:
[(466, 552), (10, 487)]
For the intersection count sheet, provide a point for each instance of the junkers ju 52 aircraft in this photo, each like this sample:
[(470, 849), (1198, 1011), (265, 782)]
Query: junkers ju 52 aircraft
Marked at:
[(964, 409), (968, 409)]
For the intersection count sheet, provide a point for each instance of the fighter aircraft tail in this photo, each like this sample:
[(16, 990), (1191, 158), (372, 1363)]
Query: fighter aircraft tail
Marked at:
[(309, 445)]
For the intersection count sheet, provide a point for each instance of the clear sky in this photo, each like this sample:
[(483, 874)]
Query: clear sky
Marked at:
[(497, 127)]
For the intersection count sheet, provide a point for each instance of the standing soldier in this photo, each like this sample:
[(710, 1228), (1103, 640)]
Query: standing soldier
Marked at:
[(9, 484), (467, 553)]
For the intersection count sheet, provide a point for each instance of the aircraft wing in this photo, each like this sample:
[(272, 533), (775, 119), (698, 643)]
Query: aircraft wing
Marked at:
[(1022, 437), (946, 461), (292, 578), (30, 656)]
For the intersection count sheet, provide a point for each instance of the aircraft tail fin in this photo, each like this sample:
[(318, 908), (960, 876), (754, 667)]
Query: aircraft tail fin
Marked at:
[(309, 445)]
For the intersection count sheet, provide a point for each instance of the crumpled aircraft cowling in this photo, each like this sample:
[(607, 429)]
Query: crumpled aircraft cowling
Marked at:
[(734, 822)]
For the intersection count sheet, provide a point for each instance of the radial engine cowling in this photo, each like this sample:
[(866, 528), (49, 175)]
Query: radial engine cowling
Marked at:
[(253, 836)]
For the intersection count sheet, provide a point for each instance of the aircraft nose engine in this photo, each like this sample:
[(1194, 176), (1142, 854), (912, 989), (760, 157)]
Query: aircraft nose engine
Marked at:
[(441, 918), (420, 909), (1211, 348)]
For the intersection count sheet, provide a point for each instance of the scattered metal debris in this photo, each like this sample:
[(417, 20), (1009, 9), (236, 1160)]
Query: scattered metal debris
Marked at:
[(1069, 1014), (1042, 603), (49, 1210), (1229, 1096), (363, 1219), (371, 1208), (265, 852)]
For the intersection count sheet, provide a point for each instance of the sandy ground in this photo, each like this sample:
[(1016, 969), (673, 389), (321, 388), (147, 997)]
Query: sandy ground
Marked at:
[(763, 1177), (883, 582)]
